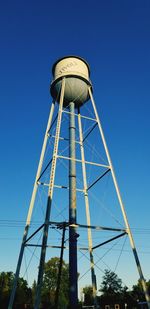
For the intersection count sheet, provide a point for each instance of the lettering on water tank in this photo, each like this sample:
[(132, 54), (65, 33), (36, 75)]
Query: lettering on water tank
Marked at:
[(68, 65)]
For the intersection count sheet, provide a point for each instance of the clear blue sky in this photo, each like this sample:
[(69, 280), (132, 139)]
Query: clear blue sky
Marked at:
[(114, 37)]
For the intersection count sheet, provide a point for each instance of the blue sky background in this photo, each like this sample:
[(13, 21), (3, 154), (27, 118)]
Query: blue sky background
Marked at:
[(114, 37)]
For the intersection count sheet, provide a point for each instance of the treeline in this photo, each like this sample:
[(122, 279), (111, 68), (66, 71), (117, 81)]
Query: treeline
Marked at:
[(111, 290), (25, 295)]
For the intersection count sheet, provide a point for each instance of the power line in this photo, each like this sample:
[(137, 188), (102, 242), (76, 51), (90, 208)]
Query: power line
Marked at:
[(38, 222)]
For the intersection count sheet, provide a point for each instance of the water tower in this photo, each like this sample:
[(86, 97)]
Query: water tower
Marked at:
[(71, 90)]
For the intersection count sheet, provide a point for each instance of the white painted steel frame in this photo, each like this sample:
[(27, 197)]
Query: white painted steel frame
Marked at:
[(82, 116), (63, 138), (31, 206), (49, 200), (85, 190), (58, 186), (90, 244), (40, 165), (86, 162), (121, 203)]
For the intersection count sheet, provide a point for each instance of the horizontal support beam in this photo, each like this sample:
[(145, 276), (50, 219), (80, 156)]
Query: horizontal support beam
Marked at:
[(47, 246), (100, 177), (85, 117), (58, 224), (77, 160), (55, 247), (65, 187), (86, 162), (58, 186), (63, 138), (107, 241), (98, 228), (95, 227)]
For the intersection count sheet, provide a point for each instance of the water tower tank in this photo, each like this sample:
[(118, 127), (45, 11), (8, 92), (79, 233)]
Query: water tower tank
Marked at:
[(76, 71)]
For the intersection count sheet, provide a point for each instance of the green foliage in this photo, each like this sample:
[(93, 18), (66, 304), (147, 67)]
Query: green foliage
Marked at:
[(111, 284), (6, 279), (137, 291), (88, 295), (50, 283), (113, 292), (23, 292)]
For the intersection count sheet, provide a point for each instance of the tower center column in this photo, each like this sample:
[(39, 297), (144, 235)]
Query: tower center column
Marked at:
[(72, 212)]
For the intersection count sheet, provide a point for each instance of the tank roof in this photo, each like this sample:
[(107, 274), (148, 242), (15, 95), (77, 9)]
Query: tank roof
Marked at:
[(70, 56)]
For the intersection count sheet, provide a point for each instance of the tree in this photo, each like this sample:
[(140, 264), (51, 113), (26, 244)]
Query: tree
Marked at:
[(6, 279), (111, 284), (50, 278), (88, 295), (137, 291), (111, 288), (23, 292), (113, 292)]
